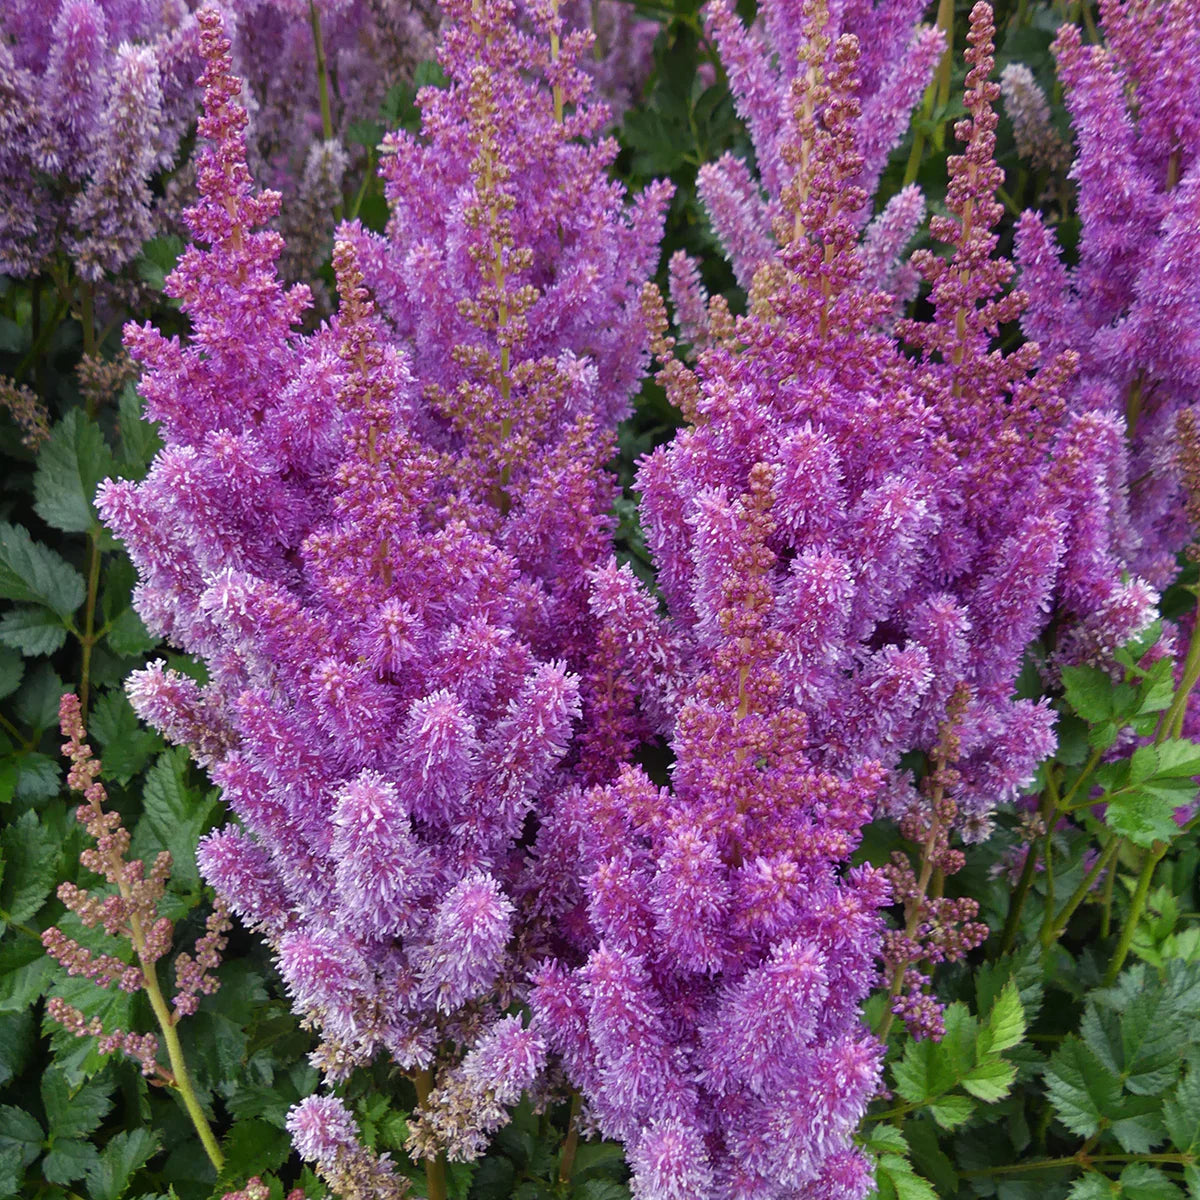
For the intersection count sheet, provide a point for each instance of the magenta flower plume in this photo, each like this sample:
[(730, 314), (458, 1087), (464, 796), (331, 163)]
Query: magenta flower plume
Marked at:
[(897, 60), (1130, 308), (380, 538), (846, 583)]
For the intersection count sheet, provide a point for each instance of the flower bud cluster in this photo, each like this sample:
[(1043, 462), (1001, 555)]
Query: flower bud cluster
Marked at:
[(128, 914)]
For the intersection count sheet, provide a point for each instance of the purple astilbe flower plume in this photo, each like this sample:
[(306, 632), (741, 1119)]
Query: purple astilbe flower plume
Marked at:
[(325, 1133), (1131, 306), (380, 540), (97, 95), (523, 314), (897, 62), (845, 585)]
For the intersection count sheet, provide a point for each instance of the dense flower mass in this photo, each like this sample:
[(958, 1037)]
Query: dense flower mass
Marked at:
[(1131, 307), (377, 538), (94, 99), (506, 815)]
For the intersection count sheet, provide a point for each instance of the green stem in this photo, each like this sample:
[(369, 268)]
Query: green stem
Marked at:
[(1110, 884), (1054, 931), (1025, 883), (22, 740), (566, 1164), (183, 1081), (1084, 1161), (88, 640), (1171, 723), (87, 317), (435, 1168), (40, 339), (1137, 905), (1088, 767), (322, 84)]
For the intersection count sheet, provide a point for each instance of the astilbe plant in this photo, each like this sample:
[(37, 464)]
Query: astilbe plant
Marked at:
[(846, 585), (376, 538), (129, 914), (96, 98), (792, 38), (1130, 308)]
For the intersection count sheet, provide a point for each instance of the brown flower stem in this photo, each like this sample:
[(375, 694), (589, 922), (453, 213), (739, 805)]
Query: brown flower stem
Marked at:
[(435, 1168), (566, 1164)]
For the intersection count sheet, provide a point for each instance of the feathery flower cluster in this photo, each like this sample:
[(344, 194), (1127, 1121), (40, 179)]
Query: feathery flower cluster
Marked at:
[(848, 581), (377, 537), (1025, 103), (94, 99), (1131, 308), (130, 913), (792, 44)]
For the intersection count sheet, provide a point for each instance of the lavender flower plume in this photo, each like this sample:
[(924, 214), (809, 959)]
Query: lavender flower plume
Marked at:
[(379, 537), (1129, 308), (764, 63), (95, 95)]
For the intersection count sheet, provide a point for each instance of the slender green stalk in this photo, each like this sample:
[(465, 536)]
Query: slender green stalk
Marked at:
[(88, 639), (322, 72), (1136, 907), (1171, 722), (87, 317), (1083, 1160), (179, 1069), (435, 1168), (1025, 883), (1054, 931)]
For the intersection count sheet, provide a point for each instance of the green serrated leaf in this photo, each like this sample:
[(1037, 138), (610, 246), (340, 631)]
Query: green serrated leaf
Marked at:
[(924, 1072), (1178, 757), (1140, 1181), (12, 670), (990, 1080), (601, 1189), (31, 573), (110, 1178), (1005, 1024), (494, 1180), (1136, 1028), (17, 1041), (70, 467), (1144, 814), (951, 1111), (19, 1131), (174, 817), (129, 637), (74, 1112), (38, 777), (25, 971), (69, 1160), (1181, 1113), (1093, 1186), (32, 631), (140, 440), (1089, 692), (896, 1174), (30, 865), (127, 746), (1080, 1088), (254, 1146), (37, 702)]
